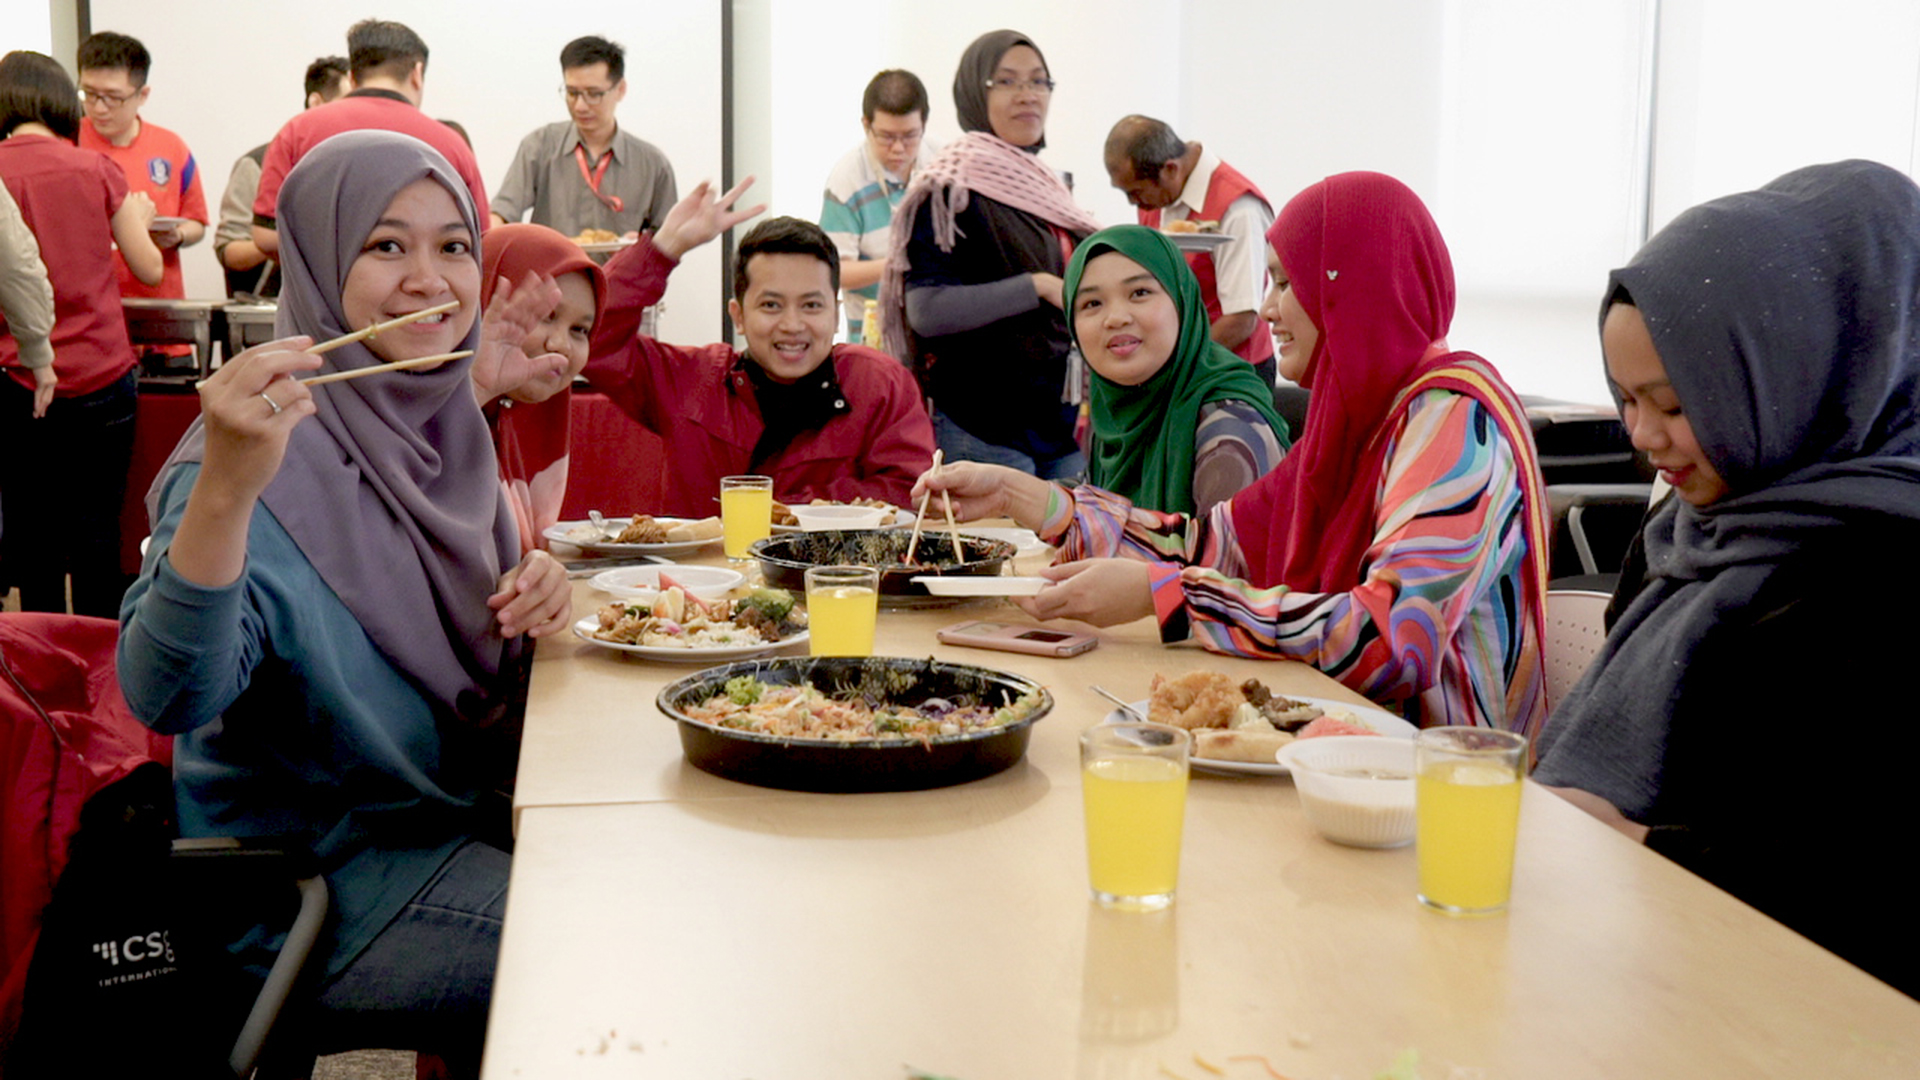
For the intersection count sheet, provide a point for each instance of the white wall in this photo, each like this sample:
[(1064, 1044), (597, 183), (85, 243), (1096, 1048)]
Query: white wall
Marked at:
[(1290, 91), (1750, 89), (1520, 122), (26, 26), (227, 83)]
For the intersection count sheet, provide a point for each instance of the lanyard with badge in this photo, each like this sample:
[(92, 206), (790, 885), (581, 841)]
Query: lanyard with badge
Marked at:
[(593, 176)]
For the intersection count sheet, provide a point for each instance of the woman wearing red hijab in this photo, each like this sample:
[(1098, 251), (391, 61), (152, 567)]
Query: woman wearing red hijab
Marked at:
[(531, 422), (1400, 547)]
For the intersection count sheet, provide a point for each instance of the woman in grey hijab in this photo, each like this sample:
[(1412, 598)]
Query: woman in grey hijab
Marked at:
[(331, 616), (1765, 352)]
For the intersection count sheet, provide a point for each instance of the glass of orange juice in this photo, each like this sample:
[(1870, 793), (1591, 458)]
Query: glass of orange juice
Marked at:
[(746, 512), (1133, 778), (843, 603), (1467, 815)]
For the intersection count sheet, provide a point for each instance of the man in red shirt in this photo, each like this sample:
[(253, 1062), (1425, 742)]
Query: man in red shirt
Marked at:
[(113, 79), (389, 72), (826, 421)]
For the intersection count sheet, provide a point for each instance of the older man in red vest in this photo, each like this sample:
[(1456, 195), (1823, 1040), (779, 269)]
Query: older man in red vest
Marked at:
[(1170, 180)]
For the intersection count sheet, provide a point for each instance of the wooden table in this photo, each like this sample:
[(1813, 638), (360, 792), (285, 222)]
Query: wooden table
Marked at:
[(667, 923), (593, 735)]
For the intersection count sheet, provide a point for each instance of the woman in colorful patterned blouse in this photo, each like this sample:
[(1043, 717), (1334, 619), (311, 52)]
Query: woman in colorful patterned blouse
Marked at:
[(1399, 547)]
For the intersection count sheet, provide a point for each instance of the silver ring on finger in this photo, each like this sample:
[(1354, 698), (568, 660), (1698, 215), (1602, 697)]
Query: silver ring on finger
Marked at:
[(269, 400)]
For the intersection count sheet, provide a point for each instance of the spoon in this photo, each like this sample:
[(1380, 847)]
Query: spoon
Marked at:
[(1125, 707), (607, 532)]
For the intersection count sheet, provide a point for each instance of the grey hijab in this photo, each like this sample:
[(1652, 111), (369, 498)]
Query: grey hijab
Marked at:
[(1786, 319), (977, 66), (392, 490)]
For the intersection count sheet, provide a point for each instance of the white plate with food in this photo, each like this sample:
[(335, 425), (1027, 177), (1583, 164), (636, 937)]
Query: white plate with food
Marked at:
[(1024, 541), (672, 654), (1198, 241), (981, 586), (602, 241), (643, 582), (686, 630), (1367, 716), (166, 224), (899, 519), (680, 536)]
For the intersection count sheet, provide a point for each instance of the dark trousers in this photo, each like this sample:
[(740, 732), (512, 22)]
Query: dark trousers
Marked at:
[(62, 480)]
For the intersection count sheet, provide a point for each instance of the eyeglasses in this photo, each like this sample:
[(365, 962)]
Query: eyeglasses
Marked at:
[(901, 141), (575, 93), (1034, 86), (111, 101)]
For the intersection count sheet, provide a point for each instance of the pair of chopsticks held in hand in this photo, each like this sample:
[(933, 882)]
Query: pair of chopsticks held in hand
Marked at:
[(372, 331), (959, 552)]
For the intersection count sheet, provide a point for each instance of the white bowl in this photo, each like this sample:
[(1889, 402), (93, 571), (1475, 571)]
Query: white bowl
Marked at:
[(1357, 789), (643, 582), (827, 518)]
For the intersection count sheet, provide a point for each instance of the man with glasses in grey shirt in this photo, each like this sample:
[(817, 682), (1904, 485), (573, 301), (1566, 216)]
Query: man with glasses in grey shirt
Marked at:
[(587, 173)]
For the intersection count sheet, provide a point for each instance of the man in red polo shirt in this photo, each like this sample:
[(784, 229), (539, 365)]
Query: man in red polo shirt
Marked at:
[(389, 71), (113, 80), (1169, 180)]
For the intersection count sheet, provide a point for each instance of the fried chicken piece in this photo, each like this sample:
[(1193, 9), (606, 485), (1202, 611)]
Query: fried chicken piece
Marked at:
[(642, 530), (1198, 699)]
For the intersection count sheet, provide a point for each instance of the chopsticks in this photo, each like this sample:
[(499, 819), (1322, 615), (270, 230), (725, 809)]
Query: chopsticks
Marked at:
[(959, 553), (921, 517), (374, 331), (946, 499), (397, 365)]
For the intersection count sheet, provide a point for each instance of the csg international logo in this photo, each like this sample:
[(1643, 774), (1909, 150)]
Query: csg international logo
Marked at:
[(144, 956), (159, 171)]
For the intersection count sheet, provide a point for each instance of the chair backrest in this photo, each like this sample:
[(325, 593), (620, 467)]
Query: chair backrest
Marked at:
[(65, 733), (73, 753), (1576, 629)]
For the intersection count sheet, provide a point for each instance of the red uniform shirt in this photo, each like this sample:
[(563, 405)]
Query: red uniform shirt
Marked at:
[(381, 110), (68, 197), (1226, 185), (158, 163)]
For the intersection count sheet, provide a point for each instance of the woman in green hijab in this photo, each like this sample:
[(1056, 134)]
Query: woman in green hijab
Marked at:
[(1179, 423)]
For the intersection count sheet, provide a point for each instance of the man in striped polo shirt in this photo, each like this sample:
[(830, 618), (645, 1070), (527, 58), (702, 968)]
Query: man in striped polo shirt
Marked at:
[(868, 182)]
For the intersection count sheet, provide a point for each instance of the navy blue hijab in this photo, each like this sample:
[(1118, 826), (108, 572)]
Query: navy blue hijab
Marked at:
[(1786, 319)]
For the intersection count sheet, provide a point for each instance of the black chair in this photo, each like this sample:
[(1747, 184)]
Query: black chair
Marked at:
[(129, 972)]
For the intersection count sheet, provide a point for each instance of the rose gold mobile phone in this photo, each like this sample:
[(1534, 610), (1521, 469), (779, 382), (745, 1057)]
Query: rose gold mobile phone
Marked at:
[(1008, 637)]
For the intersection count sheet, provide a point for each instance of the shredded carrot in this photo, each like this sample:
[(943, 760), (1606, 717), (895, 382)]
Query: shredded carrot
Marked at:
[(1164, 1071), (1264, 1063), (1208, 1065)]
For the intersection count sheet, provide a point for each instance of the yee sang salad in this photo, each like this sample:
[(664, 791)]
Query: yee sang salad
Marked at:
[(807, 712)]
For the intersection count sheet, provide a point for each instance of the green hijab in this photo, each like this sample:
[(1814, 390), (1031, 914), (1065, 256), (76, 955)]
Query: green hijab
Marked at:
[(1143, 435)]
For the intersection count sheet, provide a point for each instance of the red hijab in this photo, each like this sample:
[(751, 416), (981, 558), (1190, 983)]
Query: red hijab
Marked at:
[(1367, 264), (532, 439)]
